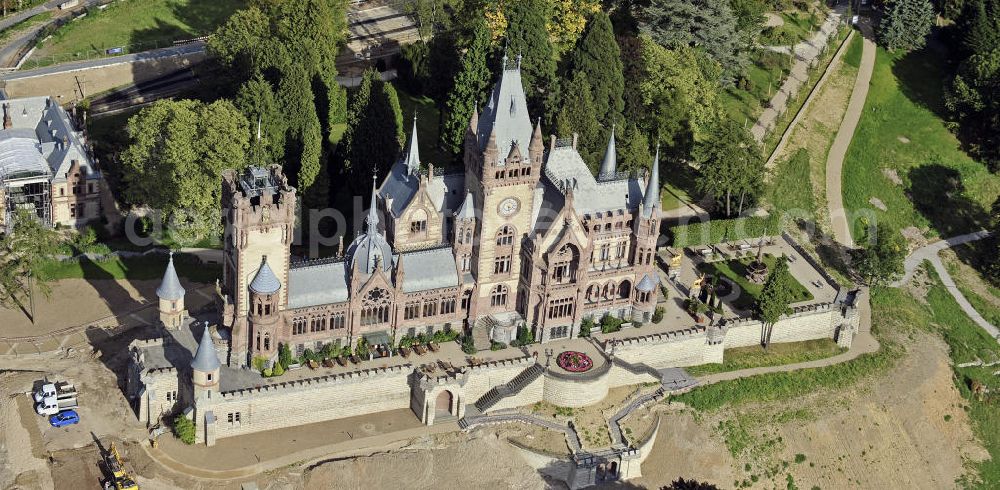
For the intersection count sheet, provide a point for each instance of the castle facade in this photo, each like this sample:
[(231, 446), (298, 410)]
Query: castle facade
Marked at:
[(525, 237)]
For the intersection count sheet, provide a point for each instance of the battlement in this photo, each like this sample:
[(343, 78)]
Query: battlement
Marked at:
[(146, 343), (309, 383), (521, 362), (659, 338), (798, 311)]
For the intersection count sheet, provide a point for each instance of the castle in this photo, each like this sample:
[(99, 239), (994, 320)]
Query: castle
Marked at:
[(525, 238)]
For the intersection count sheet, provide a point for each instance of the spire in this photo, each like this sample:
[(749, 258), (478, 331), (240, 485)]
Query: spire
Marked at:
[(651, 199), (474, 121), (205, 358), (372, 227), (413, 154), (170, 287), (609, 166)]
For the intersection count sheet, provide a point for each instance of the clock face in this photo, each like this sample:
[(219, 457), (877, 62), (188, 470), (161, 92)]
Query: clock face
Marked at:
[(509, 206)]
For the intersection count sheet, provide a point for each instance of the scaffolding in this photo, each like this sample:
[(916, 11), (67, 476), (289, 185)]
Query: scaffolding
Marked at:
[(33, 195)]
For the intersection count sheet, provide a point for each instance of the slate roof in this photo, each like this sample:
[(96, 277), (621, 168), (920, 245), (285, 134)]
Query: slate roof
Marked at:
[(609, 165), (265, 282), (317, 283), (652, 198), (205, 359), (506, 112), (41, 141), (446, 191), (429, 269), (565, 169), (370, 247), (646, 284), (468, 207), (170, 287)]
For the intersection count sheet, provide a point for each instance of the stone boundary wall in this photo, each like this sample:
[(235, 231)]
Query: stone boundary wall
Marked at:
[(352, 377)]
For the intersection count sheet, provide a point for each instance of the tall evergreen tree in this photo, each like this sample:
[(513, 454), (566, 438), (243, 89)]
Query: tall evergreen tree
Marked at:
[(881, 260), (774, 298), (906, 24), (528, 37), (470, 86), (730, 165), (374, 136), (577, 116), (706, 24), (258, 104), (632, 147), (597, 54)]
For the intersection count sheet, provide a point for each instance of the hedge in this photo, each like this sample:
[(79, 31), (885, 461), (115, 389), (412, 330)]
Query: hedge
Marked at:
[(724, 230)]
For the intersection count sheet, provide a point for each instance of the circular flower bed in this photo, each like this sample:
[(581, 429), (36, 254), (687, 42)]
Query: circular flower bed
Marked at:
[(574, 362)]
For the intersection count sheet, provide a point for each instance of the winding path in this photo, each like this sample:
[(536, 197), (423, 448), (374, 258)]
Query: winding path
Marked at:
[(835, 158)]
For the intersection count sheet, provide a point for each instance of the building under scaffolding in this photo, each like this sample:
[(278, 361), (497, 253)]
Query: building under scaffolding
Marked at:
[(45, 168)]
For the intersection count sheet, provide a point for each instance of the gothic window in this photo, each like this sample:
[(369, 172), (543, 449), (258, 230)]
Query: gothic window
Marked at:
[(411, 311), (466, 300), (505, 236), (468, 236), (447, 306), (418, 222), (466, 263), (267, 341), (624, 290), (564, 264), (375, 307), (559, 332), (559, 308), (337, 321), (430, 308), (498, 297), (620, 250), (605, 251), (501, 265)]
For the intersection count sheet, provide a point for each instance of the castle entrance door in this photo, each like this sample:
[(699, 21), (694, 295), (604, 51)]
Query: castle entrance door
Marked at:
[(442, 405)]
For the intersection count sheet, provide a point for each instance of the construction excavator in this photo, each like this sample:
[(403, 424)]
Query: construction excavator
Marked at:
[(120, 478)]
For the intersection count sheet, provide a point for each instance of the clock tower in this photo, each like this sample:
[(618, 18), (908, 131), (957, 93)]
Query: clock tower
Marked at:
[(503, 159)]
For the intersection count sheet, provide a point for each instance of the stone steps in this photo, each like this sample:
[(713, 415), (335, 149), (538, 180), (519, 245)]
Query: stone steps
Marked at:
[(513, 387)]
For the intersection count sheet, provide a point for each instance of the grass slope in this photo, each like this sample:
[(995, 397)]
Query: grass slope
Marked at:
[(943, 190), (138, 24), (775, 355), (136, 268)]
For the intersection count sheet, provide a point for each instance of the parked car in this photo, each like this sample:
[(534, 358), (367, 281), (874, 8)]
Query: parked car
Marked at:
[(64, 418)]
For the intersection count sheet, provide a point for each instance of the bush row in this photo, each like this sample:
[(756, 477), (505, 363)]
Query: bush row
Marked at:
[(724, 230)]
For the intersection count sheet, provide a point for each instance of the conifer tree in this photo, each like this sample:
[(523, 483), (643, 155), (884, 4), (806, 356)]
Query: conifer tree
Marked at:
[(528, 37), (470, 84), (906, 24), (774, 299), (597, 54), (374, 135), (577, 116), (257, 102), (705, 24)]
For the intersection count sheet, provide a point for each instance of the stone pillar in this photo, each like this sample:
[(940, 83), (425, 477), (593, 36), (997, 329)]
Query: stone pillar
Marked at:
[(210, 428)]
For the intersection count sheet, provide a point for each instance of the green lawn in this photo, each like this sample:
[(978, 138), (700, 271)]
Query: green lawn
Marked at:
[(943, 190), (137, 268), (790, 187), (765, 73), (736, 271), (853, 54), (137, 25), (775, 355), (678, 186), (427, 129)]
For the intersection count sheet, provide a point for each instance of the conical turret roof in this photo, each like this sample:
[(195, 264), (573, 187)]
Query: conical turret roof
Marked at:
[(651, 199), (205, 359), (265, 282), (609, 166), (170, 287), (413, 154)]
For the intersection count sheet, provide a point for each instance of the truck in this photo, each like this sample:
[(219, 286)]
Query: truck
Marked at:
[(55, 398)]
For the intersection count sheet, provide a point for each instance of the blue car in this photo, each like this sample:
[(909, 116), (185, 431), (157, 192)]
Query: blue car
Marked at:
[(62, 419)]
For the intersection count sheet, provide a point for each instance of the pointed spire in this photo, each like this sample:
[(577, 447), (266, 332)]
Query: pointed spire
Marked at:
[(651, 199), (474, 120), (170, 287), (205, 358), (609, 166), (372, 227), (413, 154)]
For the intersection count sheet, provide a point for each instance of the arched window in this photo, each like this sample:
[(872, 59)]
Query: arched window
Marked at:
[(498, 297), (564, 264), (267, 341), (625, 289), (468, 236), (375, 307), (505, 236)]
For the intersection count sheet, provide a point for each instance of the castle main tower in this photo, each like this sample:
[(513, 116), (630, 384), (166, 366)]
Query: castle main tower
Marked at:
[(259, 219), (503, 160)]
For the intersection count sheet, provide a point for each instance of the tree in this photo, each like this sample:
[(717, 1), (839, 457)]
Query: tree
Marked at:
[(25, 247), (568, 20), (374, 135), (529, 39), (679, 90), (184, 429), (632, 146), (881, 261), (706, 24), (586, 326), (577, 116), (774, 298), (598, 56), (175, 158), (993, 245), (906, 24), (731, 165), (682, 484), (284, 355), (257, 102), (470, 85), (749, 15)]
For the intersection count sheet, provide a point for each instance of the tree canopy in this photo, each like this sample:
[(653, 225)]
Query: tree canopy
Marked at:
[(529, 38), (731, 165), (175, 158), (881, 260), (598, 56), (709, 25), (775, 296), (906, 24), (470, 87), (577, 116), (24, 248), (375, 135)]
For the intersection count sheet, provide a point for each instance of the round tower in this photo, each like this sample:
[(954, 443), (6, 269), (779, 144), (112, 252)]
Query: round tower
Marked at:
[(263, 311), (205, 369), (171, 296)]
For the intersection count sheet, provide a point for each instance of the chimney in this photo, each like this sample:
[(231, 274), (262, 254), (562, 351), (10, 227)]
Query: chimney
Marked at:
[(575, 136), (7, 123), (552, 143)]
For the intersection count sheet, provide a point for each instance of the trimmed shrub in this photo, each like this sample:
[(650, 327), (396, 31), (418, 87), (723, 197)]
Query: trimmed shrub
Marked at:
[(184, 429), (724, 230), (586, 326), (278, 370), (658, 314), (468, 346)]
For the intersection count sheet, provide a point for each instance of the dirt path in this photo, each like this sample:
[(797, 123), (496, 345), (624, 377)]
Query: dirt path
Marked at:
[(835, 159)]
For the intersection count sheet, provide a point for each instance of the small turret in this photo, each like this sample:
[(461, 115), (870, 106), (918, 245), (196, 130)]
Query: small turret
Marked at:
[(171, 295), (205, 383), (413, 154)]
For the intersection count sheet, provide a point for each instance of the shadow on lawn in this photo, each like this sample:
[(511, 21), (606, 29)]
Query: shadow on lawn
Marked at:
[(937, 193), (921, 75)]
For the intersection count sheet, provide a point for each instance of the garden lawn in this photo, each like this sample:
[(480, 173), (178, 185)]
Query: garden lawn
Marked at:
[(427, 129), (943, 190), (765, 73), (775, 355), (133, 268), (137, 25), (790, 187), (678, 185), (736, 270)]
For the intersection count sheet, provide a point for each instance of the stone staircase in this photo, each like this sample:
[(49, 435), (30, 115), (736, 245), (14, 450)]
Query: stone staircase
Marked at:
[(510, 388), (481, 332), (639, 368)]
